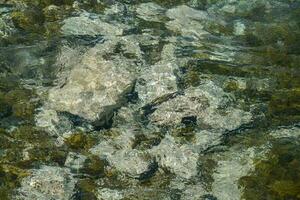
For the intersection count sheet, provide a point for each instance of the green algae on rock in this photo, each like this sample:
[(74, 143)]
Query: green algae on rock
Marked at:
[(277, 176)]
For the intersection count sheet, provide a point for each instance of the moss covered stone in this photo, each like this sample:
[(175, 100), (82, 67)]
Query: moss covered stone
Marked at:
[(29, 20), (10, 177), (285, 106), (80, 141), (277, 177)]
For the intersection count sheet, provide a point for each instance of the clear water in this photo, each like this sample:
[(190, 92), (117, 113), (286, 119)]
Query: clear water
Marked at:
[(190, 99)]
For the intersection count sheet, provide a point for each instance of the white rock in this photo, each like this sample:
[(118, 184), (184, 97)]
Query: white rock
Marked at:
[(89, 25), (95, 87), (156, 81), (205, 103), (105, 194), (150, 12), (178, 159), (75, 161), (286, 133), (47, 183), (187, 21), (231, 167), (130, 162)]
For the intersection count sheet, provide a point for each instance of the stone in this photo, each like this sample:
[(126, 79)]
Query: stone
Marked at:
[(120, 155), (293, 132), (130, 162), (106, 193), (157, 81), (208, 103), (95, 87), (187, 21), (232, 165), (47, 183), (87, 24), (75, 161), (150, 12), (178, 159), (6, 26)]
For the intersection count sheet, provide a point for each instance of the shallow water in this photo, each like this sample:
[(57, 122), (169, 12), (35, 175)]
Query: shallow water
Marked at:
[(150, 99)]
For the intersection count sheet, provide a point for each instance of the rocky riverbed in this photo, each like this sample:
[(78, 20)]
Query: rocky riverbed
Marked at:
[(143, 100)]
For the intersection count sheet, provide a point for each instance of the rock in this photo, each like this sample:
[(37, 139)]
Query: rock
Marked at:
[(205, 139), (233, 165), (120, 155), (187, 21), (106, 193), (117, 140), (293, 132), (87, 24), (157, 81), (179, 160), (208, 104), (7, 27), (75, 161), (95, 87), (130, 162), (150, 12), (53, 13), (47, 183)]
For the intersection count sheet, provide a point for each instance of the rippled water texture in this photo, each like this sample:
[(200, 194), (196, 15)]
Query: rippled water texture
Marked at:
[(146, 100)]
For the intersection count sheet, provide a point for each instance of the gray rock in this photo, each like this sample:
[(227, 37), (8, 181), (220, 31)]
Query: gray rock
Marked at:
[(87, 24), (94, 87), (208, 103), (7, 27), (187, 21), (47, 183), (225, 185), (150, 12), (179, 159), (75, 161), (157, 81), (106, 193), (120, 155)]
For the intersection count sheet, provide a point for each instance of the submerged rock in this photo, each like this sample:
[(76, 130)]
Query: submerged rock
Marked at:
[(120, 155), (86, 24), (47, 183), (95, 87), (106, 193), (231, 167), (205, 105), (187, 21), (156, 82), (177, 159), (150, 12)]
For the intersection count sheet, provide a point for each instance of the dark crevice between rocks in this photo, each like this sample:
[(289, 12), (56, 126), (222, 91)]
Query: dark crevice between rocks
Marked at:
[(208, 197), (143, 142), (85, 40), (150, 108), (150, 172)]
